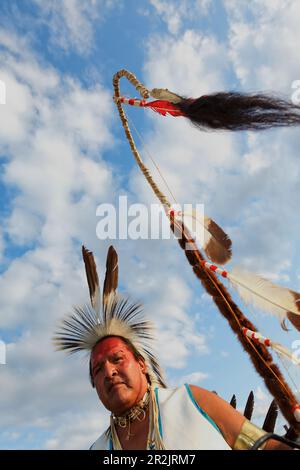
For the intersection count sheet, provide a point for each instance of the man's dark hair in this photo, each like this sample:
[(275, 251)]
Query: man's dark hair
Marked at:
[(131, 348)]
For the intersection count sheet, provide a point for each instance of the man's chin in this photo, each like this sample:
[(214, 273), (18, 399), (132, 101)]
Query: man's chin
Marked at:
[(121, 403)]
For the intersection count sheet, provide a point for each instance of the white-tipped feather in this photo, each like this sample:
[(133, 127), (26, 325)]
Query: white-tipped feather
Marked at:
[(215, 242), (263, 294)]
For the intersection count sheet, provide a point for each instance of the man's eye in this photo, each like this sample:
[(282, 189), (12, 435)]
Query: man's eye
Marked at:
[(118, 359), (98, 368)]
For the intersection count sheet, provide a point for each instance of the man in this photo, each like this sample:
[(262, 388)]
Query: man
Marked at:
[(129, 382)]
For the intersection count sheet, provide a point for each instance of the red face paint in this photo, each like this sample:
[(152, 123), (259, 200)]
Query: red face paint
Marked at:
[(119, 378)]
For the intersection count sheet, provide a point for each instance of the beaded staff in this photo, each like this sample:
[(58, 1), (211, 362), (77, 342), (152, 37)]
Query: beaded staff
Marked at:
[(258, 353)]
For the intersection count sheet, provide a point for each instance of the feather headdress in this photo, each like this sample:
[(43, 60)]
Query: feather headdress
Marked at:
[(115, 316)]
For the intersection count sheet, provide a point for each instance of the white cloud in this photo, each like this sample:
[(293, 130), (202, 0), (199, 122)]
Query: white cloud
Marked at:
[(72, 22), (175, 13), (194, 378), (17, 113), (192, 64), (23, 226), (2, 245), (264, 38), (79, 431)]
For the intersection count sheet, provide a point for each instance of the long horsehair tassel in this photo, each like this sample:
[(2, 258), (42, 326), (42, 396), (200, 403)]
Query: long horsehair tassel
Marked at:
[(231, 111), (92, 278), (233, 401), (248, 411), (271, 417), (240, 111), (263, 294)]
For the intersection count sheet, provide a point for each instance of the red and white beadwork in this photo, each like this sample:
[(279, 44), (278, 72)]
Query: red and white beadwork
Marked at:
[(214, 268), (257, 337)]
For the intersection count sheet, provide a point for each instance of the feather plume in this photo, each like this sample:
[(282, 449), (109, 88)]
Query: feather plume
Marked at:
[(249, 406), (271, 417), (92, 278), (111, 276), (266, 296), (216, 243)]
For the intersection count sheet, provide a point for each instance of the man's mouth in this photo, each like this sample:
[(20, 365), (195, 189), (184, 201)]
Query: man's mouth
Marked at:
[(115, 385)]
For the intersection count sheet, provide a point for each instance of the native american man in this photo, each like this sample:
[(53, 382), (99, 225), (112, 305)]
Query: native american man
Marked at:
[(129, 382)]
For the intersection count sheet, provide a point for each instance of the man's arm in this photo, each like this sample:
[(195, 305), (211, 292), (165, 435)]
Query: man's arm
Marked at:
[(229, 420)]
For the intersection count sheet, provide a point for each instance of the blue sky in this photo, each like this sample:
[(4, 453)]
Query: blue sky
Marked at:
[(63, 153)]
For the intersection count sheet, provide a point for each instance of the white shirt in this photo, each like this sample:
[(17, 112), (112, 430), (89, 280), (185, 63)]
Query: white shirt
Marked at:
[(183, 425)]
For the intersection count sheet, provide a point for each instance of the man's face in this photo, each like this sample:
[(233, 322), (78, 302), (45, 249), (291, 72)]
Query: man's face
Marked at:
[(119, 377)]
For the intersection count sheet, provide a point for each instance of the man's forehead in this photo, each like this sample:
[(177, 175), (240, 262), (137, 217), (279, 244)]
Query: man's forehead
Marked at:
[(108, 346)]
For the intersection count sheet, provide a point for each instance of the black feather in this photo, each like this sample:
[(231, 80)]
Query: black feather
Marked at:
[(233, 401), (271, 417), (249, 406)]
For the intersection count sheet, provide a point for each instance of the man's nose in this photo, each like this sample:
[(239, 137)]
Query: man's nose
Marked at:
[(109, 369)]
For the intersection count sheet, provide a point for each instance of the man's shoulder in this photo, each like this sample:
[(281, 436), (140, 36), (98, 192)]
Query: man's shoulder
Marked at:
[(183, 389)]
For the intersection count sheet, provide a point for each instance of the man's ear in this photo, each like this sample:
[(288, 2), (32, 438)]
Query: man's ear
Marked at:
[(142, 365)]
